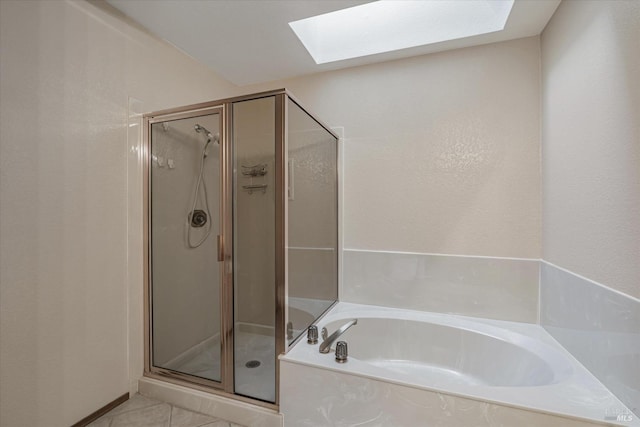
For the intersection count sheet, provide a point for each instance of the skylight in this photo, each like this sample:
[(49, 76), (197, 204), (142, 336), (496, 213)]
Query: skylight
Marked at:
[(388, 25)]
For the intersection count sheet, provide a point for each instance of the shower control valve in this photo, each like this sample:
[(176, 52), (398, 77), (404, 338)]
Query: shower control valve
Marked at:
[(341, 352), (198, 218), (312, 334)]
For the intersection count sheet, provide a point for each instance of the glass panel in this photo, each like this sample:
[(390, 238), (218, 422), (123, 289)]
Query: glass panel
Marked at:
[(254, 142), (313, 220), (185, 275)]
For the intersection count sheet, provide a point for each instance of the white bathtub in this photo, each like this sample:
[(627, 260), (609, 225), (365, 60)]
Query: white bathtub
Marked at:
[(508, 363)]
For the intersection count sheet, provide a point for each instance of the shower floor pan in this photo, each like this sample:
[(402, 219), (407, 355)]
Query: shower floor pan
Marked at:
[(254, 362)]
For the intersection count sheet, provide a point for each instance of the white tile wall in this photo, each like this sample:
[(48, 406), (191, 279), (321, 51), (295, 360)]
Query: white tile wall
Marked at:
[(496, 288), (599, 326)]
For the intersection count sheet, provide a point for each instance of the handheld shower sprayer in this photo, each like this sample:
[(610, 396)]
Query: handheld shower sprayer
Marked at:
[(202, 129), (210, 137), (198, 218)]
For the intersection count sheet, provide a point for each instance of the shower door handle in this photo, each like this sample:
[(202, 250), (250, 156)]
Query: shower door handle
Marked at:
[(220, 249)]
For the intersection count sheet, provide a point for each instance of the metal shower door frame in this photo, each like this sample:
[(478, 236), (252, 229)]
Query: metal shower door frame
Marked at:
[(224, 107), (225, 252)]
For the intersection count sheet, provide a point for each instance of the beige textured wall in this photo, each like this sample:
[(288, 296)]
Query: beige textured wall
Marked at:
[(442, 151), (441, 155), (591, 141), (67, 69)]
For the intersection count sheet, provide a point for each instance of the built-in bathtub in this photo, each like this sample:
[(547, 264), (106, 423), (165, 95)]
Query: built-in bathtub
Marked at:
[(505, 364)]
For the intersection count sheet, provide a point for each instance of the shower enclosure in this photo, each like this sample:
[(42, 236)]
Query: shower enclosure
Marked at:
[(242, 239)]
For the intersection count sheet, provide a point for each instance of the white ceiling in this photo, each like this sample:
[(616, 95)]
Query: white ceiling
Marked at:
[(250, 41)]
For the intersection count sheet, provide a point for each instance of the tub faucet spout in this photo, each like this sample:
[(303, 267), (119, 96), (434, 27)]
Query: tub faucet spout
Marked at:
[(325, 347)]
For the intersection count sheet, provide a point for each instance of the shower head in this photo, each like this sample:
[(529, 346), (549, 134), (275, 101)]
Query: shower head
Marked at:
[(202, 129), (210, 137)]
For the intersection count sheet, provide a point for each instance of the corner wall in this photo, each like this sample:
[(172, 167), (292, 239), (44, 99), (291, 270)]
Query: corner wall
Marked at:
[(67, 70), (591, 141), (590, 274)]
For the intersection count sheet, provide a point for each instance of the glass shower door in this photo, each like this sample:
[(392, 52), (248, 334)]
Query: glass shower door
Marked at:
[(185, 215), (312, 268), (241, 240), (254, 142)]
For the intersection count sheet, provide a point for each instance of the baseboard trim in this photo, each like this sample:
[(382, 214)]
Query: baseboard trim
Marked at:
[(100, 412)]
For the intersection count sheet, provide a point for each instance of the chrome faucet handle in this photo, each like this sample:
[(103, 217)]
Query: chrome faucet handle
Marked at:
[(325, 334), (312, 335), (325, 347), (341, 352)]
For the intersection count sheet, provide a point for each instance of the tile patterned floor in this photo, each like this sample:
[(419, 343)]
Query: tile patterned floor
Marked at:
[(141, 411)]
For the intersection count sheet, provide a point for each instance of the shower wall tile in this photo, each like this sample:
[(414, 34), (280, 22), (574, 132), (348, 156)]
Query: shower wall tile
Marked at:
[(311, 273), (599, 326), (497, 288), (318, 397), (185, 282)]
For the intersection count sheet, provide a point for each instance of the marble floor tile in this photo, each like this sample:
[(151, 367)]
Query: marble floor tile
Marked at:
[(136, 402), (151, 416), (183, 418), (221, 423), (141, 411)]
